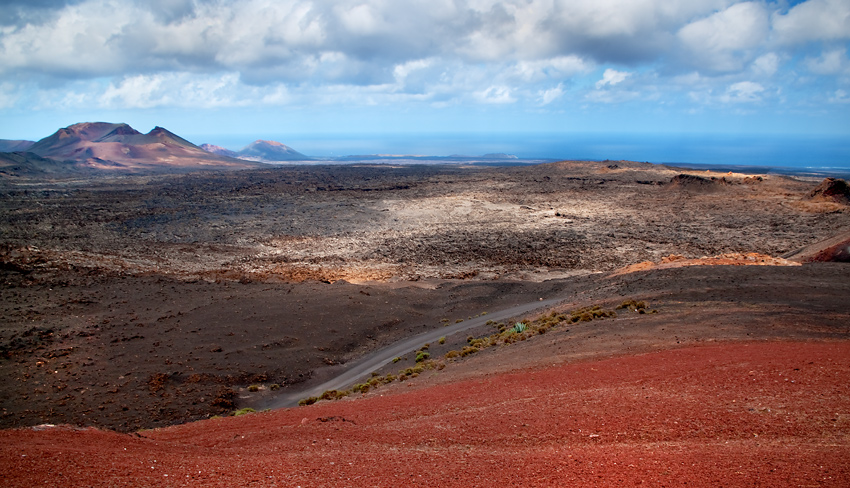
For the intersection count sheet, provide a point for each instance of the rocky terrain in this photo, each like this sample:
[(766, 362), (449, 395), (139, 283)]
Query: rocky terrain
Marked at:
[(153, 300)]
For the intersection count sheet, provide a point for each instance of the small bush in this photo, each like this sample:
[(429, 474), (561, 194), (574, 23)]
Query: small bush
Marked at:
[(422, 356), (274, 387), (452, 354), (633, 305), (307, 401), (442, 340), (254, 388), (397, 359), (333, 395), (243, 411), (458, 321)]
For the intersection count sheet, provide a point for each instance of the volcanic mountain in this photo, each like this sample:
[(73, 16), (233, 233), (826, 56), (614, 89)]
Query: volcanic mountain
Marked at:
[(259, 150), (7, 145), (101, 145), (221, 151)]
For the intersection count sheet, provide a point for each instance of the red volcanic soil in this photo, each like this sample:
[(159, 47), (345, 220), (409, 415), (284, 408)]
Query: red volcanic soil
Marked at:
[(734, 414)]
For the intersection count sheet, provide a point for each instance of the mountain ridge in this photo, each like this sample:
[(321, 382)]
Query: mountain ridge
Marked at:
[(261, 151), (116, 147)]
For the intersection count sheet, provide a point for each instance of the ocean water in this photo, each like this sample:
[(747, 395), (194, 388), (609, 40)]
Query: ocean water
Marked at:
[(791, 151)]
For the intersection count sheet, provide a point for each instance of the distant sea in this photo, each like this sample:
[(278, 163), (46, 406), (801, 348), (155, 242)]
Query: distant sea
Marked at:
[(790, 151)]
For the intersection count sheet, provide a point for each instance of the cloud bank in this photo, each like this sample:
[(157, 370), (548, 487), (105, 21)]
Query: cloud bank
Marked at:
[(539, 54)]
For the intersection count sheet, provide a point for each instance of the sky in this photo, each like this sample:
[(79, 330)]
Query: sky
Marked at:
[(231, 71)]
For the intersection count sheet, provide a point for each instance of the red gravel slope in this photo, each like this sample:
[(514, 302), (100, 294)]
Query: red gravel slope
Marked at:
[(753, 414)]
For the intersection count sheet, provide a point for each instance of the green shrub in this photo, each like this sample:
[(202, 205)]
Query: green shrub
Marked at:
[(243, 411), (442, 340), (274, 387), (422, 356), (452, 354), (254, 388), (396, 359), (333, 395), (307, 401), (633, 305)]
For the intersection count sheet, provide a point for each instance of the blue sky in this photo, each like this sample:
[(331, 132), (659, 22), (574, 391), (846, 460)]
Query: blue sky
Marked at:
[(233, 69)]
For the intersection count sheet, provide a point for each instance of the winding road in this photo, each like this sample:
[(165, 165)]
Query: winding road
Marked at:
[(362, 367)]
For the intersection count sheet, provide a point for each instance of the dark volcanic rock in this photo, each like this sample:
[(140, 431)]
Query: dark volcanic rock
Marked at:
[(697, 183), (832, 190)]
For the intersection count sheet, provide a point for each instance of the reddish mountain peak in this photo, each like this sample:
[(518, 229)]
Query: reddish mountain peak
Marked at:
[(164, 135), (92, 131), (269, 143), (221, 151)]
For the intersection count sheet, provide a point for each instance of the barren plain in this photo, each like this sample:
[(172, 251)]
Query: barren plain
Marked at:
[(145, 301)]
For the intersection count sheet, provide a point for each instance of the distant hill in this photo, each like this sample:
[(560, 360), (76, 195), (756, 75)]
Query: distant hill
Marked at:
[(7, 145), (221, 151), (119, 147), (23, 163), (259, 150)]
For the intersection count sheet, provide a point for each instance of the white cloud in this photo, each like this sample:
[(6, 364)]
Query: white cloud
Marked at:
[(552, 94), (722, 41), (241, 52), (612, 77), (553, 68), (743, 92), (840, 96), (814, 20), (828, 63), (9, 95), (496, 95), (766, 65), (608, 96)]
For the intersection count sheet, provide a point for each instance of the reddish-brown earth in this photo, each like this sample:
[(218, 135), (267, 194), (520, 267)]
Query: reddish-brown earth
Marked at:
[(145, 302), (751, 414)]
